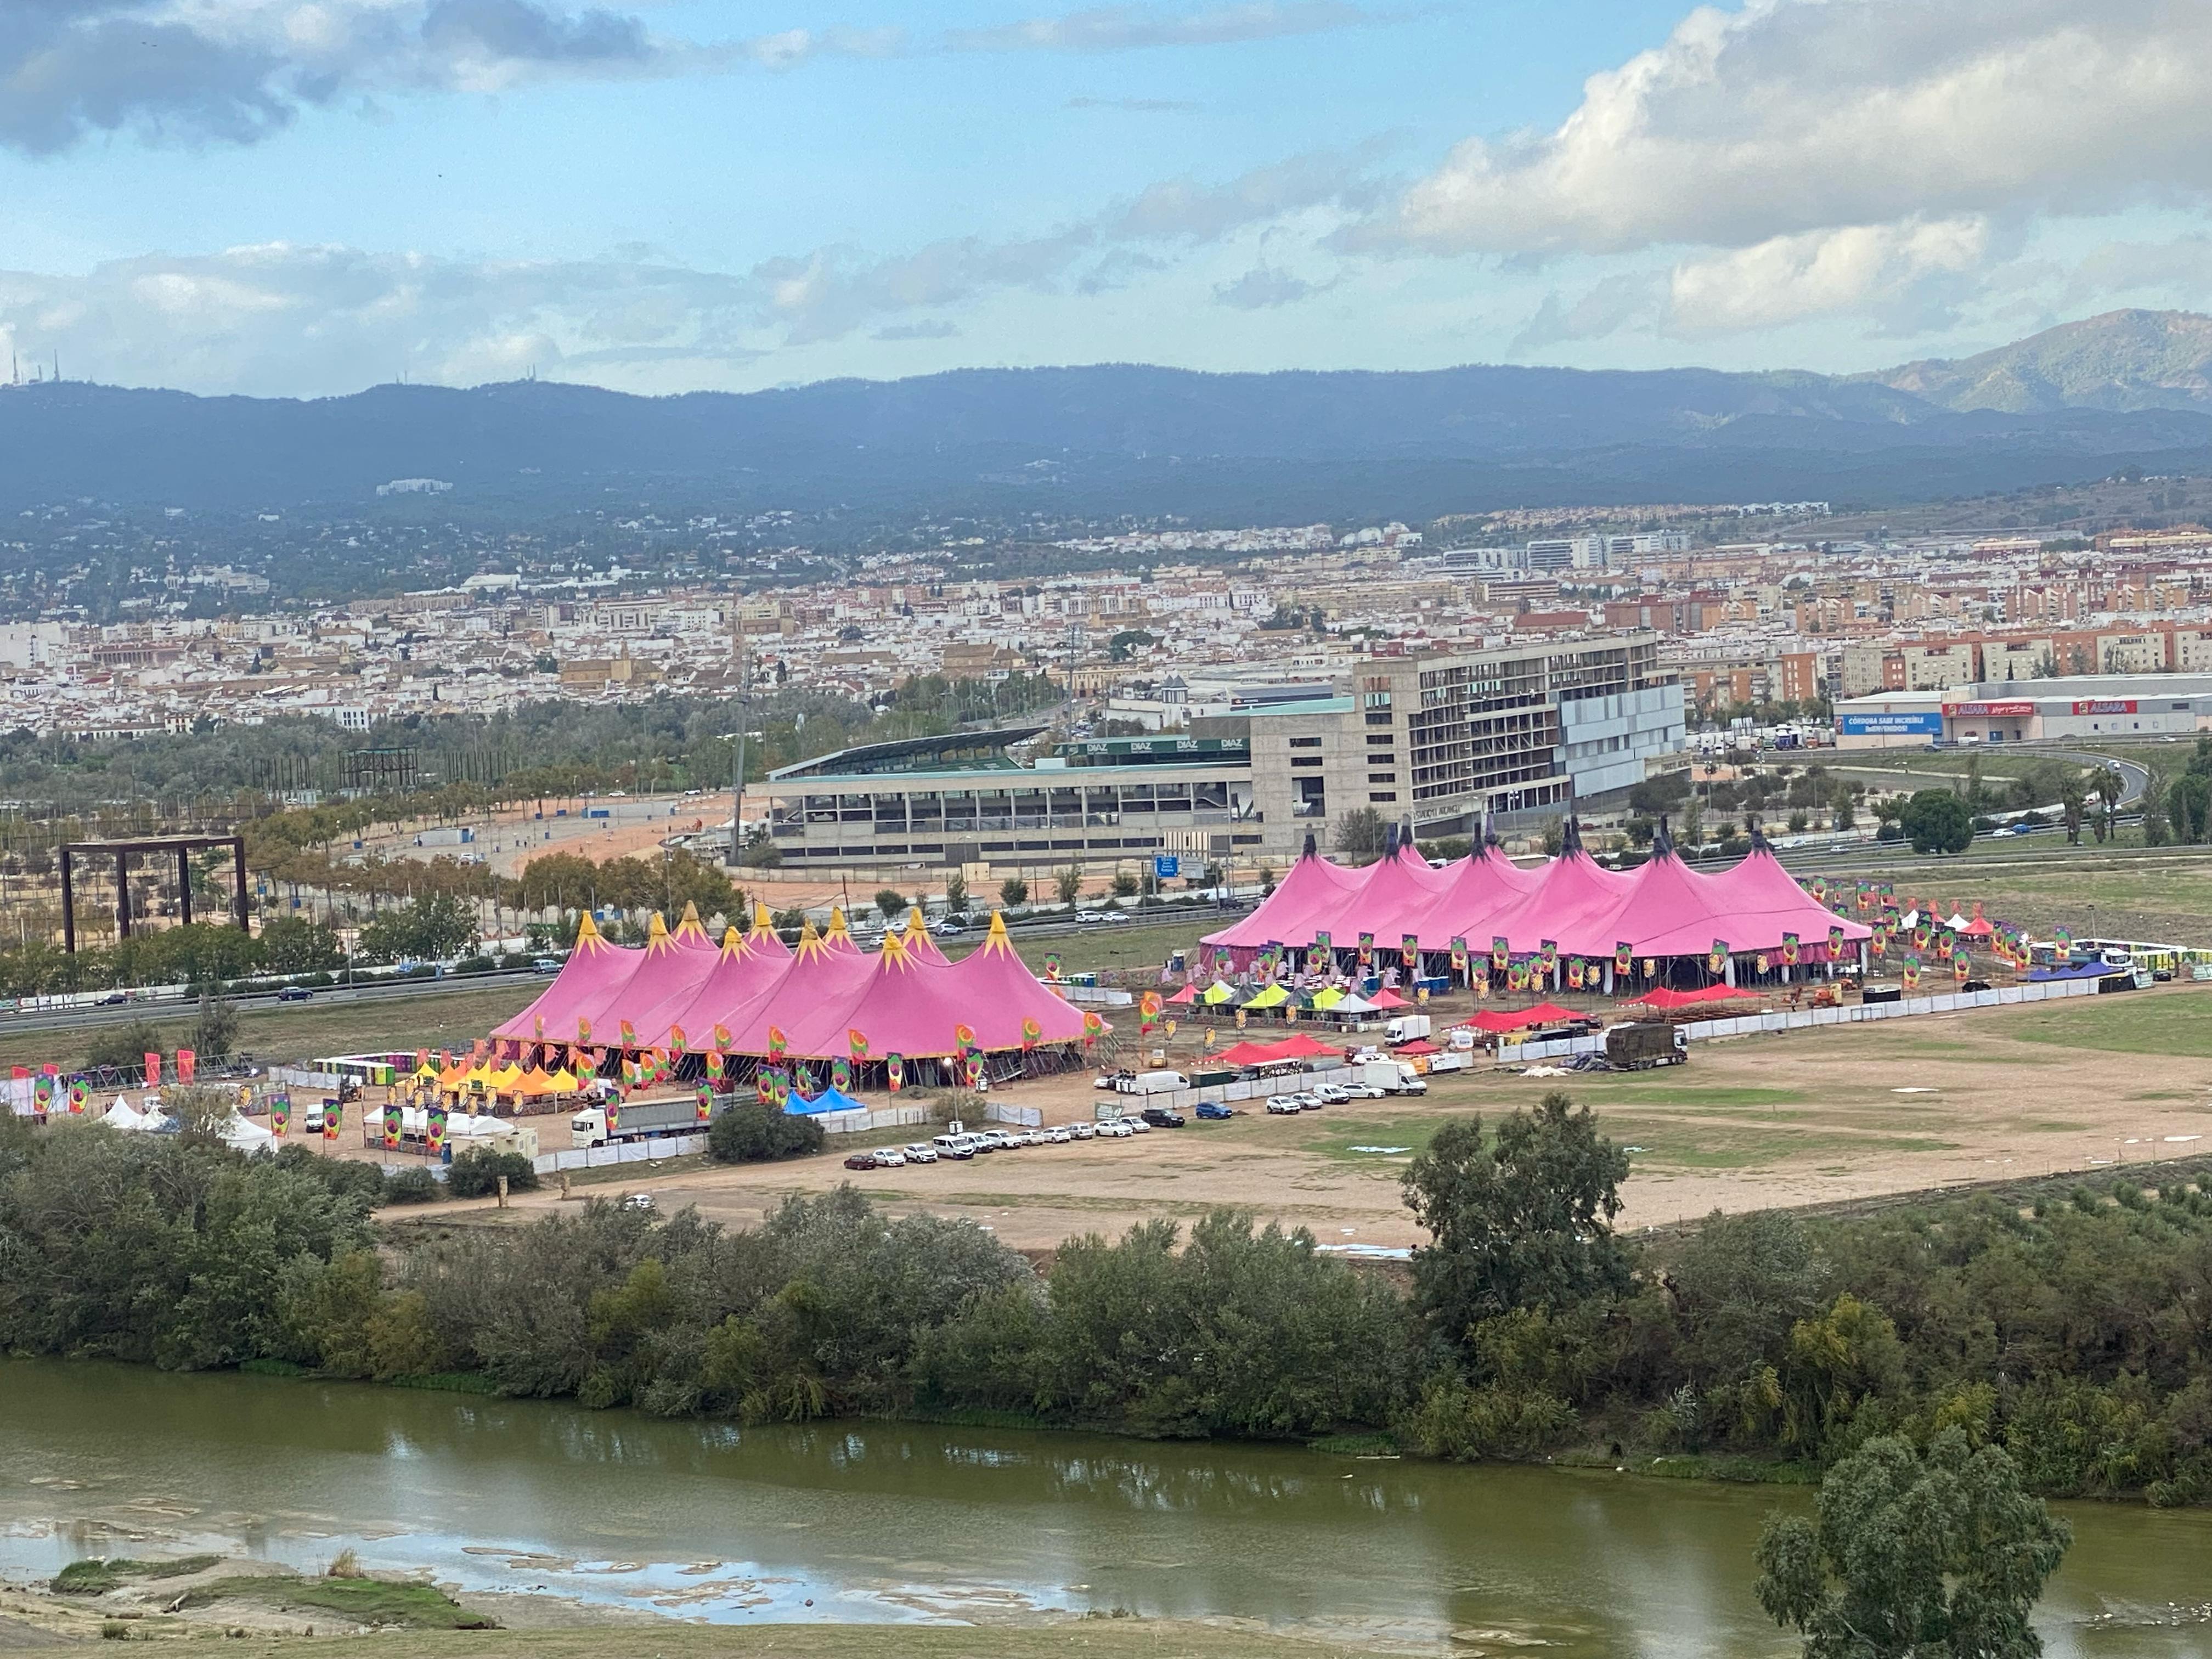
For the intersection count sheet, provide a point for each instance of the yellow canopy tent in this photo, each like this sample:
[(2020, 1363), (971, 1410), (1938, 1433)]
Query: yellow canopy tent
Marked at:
[(1273, 996), (534, 1082), (563, 1081), (1329, 997), (1217, 993)]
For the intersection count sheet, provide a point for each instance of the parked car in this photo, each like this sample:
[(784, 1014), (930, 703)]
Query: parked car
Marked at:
[(1111, 1079), (1363, 1092), (296, 994), (1059, 1136), (1116, 1128), (1283, 1105), (1307, 1101), (637, 1201), (890, 1157), (1083, 1131), (860, 1161), (921, 1152), (1211, 1109), (1137, 1126), (994, 1140), (1330, 1094), (959, 1148), (1159, 1117)]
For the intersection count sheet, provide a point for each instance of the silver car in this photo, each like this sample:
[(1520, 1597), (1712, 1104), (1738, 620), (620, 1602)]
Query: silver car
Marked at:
[(921, 1152)]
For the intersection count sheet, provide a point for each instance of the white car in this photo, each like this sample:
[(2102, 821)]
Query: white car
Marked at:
[(1058, 1137), (1362, 1092), (1137, 1126), (1283, 1105), (1083, 1131), (890, 1157), (1307, 1101), (1116, 1128), (921, 1152)]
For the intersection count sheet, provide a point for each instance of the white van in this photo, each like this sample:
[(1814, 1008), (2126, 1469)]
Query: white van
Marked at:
[(961, 1147)]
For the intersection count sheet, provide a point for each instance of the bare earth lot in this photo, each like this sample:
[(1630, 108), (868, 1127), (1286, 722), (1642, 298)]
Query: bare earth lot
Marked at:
[(1800, 1118)]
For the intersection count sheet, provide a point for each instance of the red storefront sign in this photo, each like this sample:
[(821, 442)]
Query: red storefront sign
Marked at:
[(1993, 711), (2106, 705)]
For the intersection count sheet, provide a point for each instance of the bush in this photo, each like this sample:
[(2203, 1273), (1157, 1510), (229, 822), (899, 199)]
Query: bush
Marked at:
[(474, 1174), (749, 1132), (415, 1186), (1890, 831)]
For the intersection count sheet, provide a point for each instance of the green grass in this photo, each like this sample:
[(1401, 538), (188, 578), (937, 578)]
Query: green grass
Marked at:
[(96, 1577), (1096, 1637), (2173, 1023), (1137, 945), (360, 1601)]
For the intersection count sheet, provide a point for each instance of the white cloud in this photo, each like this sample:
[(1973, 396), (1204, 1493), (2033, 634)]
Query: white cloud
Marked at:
[(1265, 286), (1792, 116), (1125, 28), (1786, 279)]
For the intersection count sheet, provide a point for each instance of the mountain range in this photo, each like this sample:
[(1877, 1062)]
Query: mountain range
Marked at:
[(2074, 402)]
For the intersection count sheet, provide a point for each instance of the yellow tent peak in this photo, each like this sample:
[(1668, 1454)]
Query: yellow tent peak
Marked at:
[(688, 922), (894, 948), (586, 932), (733, 939), (837, 923), (659, 927), (996, 936), (762, 922), (914, 924)]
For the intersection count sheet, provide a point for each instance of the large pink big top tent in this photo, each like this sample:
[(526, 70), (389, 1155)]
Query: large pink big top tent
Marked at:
[(753, 994), (1662, 909)]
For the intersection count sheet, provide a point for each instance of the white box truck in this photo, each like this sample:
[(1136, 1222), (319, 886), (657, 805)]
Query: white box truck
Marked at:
[(1407, 1028), (1392, 1077), (1151, 1083)]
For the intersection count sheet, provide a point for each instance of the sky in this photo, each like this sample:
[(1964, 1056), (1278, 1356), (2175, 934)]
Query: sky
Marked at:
[(303, 197)]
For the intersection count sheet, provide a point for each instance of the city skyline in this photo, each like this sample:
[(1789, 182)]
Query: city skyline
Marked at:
[(277, 197)]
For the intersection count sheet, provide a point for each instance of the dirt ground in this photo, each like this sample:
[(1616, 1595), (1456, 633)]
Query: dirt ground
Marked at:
[(1750, 1123)]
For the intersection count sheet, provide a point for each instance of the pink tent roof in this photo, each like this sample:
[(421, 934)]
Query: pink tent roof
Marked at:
[(1677, 912), (691, 933), (1299, 1046), (914, 1008), (1313, 887), (1572, 905), (742, 968), (837, 936), (1387, 999), (815, 976), (1480, 887), (667, 978), (593, 969), (1399, 889)]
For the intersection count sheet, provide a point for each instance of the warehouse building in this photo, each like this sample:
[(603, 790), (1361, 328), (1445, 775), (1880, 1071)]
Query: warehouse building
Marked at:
[(2073, 707)]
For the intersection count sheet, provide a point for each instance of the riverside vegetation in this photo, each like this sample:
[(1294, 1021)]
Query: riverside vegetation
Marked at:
[(2075, 1335)]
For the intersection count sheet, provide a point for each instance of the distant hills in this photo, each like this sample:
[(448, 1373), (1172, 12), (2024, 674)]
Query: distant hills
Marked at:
[(2074, 402)]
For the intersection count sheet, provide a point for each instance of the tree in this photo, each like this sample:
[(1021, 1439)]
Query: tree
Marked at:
[(1125, 884), (749, 1132), (1940, 1557), (293, 945), (1936, 821), (1526, 1223), (476, 1173), (1067, 885), (2072, 796), (956, 893), (2157, 831), (1013, 891), (215, 1033), (2189, 802), (2109, 786), (759, 851), (1361, 835), (1841, 809), (890, 905), (434, 926)]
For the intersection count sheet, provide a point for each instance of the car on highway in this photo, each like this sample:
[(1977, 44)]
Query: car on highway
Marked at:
[(860, 1161), (113, 999), (1283, 1105), (1213, 1110), (296, 994), (947, 928), (546, 965), (1159, 1117), (920, 1151)]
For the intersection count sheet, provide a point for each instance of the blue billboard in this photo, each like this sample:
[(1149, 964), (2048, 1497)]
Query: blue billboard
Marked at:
[(1929, 725)]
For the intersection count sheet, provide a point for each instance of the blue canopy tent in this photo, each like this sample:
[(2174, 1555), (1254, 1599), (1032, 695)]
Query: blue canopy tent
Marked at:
[(830, 1100)]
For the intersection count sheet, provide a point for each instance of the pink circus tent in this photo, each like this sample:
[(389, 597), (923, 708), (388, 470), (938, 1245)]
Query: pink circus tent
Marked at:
[(670, 969), (743, 966), (817, 975), (1398, 889), (916, 938), (1675, 911), (594, 970), (1572, 905)]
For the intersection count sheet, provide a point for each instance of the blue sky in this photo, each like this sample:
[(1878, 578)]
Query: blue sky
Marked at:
[(304, 197)]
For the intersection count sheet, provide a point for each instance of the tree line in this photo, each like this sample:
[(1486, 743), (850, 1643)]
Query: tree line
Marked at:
[(2073, 1336)]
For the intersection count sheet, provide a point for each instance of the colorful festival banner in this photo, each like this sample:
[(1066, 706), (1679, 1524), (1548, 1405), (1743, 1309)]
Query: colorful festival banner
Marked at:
[(1366, 949), (1835, 943), (153, 1068), (187, 1065), (436, 1122), (1789, 949), (332, 1112), (392, 1126), (1501, 952), (1033, 1033), (1409, 950), (841, 1074), (1624, 957), (895, 1068), (1459, 957), (704, 1103), (1549, 948), (1717, 958), (777, 1042)]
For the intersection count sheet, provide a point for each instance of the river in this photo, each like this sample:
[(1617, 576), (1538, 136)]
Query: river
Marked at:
[(888, 1521)]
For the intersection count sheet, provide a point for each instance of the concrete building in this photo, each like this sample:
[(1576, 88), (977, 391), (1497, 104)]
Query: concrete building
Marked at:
[(1441, 737)]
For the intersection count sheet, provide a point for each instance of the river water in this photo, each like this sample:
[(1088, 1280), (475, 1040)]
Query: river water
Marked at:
[(888, 1521)]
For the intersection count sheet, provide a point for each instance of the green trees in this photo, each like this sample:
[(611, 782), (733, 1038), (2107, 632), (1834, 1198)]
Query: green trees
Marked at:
[(433, 927), (747, 1132), (1914, 1556), (292, 945), (476, 1173), (890, 904), (1013, 893), (955, 894), (1067, 885), (1361, 835), (1936, 821), (1524, 1222)]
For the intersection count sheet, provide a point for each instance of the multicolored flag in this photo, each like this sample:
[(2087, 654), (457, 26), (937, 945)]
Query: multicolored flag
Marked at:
[(1624, 957), (1501, 952), (153, 1068), (1789, 949), (894, 1068), (1717, 958)]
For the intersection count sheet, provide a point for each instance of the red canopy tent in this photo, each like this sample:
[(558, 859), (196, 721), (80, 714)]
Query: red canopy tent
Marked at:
[(1485, 1019), (1416, 1046), (1250, 1053), (1387, 999), (1664, 998), (1299, 1046), (1183, 998)]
